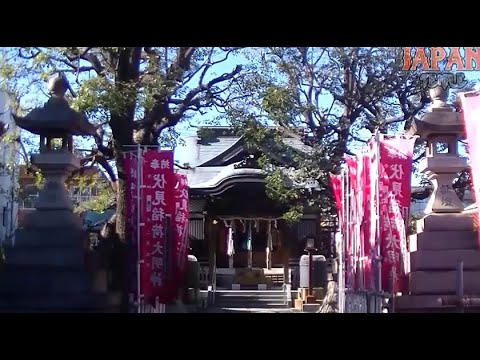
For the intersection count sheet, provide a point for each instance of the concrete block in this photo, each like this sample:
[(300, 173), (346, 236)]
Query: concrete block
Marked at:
[(442, 282), (424, 260), (445, 222), (311, 308), (444, 240)]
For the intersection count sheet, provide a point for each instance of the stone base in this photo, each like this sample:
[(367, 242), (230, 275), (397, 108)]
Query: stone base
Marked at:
[(46, 271), (56, 166), (427, 304), (52, 219), (443, 282), (311, 308), (442, 242), (438, 260), (445, 222)]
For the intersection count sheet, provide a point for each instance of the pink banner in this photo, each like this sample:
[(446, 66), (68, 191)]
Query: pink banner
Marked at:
[(394, 196), (365, 225), (352, 218), (374, 243), (181, 224), (157, 250), (336, 185), (471, 117)]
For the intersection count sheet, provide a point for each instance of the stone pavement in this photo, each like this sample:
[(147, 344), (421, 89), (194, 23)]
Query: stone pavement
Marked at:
[(250, 310)]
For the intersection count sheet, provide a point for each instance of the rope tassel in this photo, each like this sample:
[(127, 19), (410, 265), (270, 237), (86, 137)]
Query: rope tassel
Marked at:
[(230, 245), (269, 245)]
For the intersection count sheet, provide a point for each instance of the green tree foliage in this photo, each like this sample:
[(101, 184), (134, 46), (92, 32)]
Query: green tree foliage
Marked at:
[(102, 198), (136, 95), (327, 99)]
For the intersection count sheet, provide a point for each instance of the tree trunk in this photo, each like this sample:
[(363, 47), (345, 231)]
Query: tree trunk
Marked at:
[(121, 123)]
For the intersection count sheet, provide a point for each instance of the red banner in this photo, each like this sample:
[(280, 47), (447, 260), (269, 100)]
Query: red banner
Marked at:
[(471, 117), (394, 196), (351, 219), (336, 185), (181, 223), (365, 224), (156, 251)]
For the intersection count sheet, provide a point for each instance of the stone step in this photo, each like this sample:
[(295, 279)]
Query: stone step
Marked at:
[(446, 310), (424, 260), (249, 299), (420, 301), (444, 240), (248, 292), (252, 305), (445, 222), (49, 311), (261, 299), (427, 304), (36, 280), (52, 302), (52, 220), (62, 237), (244, 298), (442, 282), (37, 256)]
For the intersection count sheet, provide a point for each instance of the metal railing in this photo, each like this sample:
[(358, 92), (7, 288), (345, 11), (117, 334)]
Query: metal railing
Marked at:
[(287, 294)]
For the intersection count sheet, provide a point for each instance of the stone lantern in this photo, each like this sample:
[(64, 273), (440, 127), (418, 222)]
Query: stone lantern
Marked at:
[(445, 237), (55, 120), (46, 269), (441, 127)]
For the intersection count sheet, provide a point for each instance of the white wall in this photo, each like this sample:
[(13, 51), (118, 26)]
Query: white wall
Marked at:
[(8, 178)]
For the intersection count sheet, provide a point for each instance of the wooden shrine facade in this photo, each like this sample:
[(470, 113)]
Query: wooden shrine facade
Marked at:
[(233, 224)]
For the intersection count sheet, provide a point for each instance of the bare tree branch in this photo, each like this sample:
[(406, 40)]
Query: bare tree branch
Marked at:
[(29, 57), (187, 101), (183, 167), (419, 157)]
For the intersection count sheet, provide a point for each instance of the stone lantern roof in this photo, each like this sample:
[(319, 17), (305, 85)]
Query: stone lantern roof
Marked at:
[(440, 119), (56, 118)]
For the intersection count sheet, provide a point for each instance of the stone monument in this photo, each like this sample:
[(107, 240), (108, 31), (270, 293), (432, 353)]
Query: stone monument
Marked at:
[(45, 270), (445, 236)]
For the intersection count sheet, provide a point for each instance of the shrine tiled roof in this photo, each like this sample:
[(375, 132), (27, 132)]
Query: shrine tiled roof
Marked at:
[(201, 153), (222, 140), (206, 158)]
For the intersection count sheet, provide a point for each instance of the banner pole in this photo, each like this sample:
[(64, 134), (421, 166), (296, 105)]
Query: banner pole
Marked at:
[(342, 245), (139, 290), (347, 229), (377, 213), (373, 212)]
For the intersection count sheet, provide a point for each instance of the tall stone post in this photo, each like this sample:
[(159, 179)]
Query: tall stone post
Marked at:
[(54, 205), (445, 236)]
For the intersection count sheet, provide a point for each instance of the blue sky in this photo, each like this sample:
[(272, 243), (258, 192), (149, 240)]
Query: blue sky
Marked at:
[(181, 152)]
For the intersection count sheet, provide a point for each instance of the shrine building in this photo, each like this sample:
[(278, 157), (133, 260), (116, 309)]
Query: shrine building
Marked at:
[(236, 231)]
